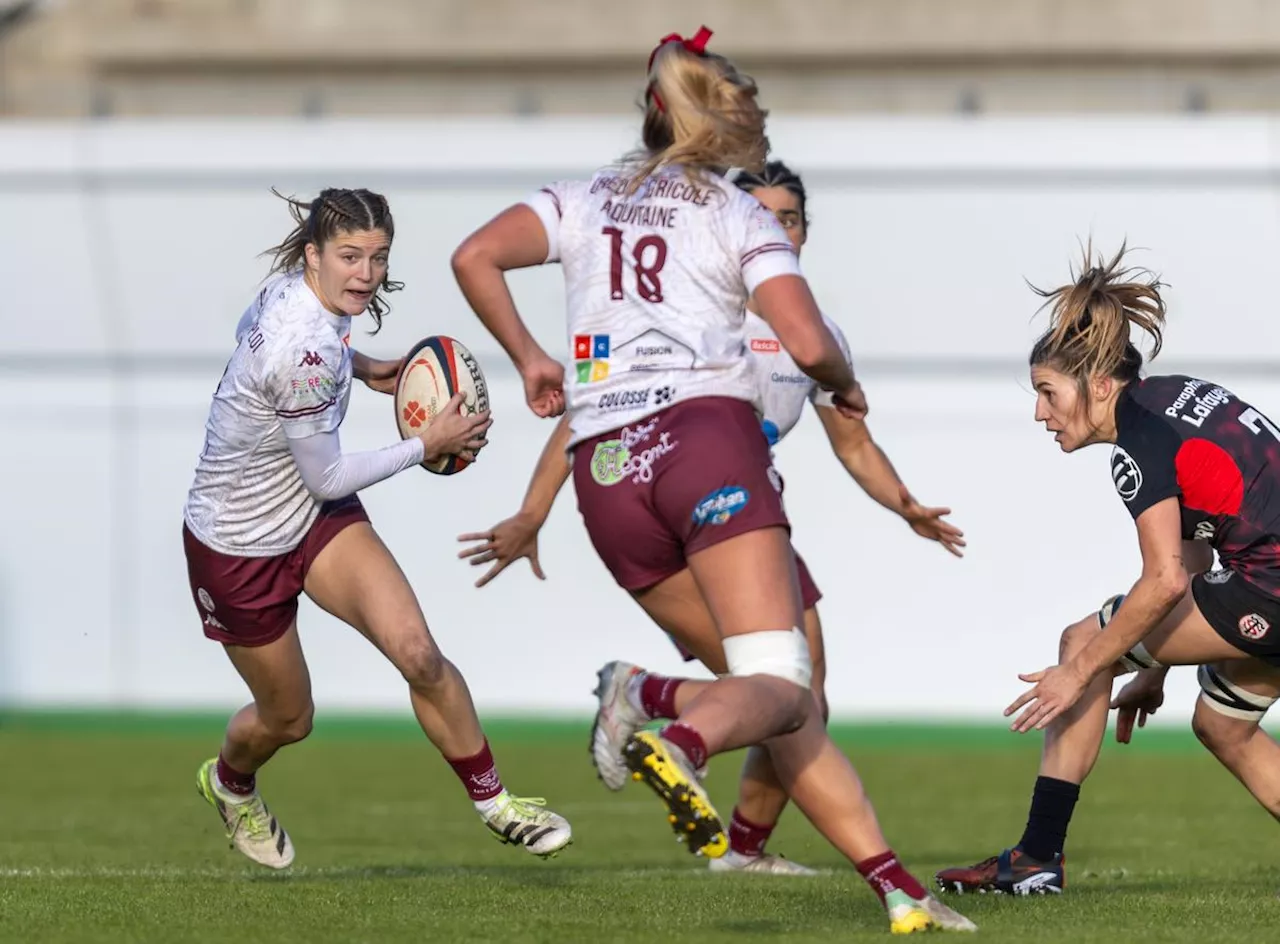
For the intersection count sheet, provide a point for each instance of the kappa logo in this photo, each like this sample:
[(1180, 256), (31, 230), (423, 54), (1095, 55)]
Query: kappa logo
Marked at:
[(1252, 626), (1125, 474), (311, 359)]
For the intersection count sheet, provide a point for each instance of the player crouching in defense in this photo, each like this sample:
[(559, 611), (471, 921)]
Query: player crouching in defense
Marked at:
[(273, 513), (1199, 471)]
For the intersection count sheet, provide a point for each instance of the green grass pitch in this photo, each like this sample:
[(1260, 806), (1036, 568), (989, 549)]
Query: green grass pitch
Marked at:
[(104, 839)]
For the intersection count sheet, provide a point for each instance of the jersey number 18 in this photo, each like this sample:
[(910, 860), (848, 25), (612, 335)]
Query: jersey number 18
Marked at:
[(648, 284)]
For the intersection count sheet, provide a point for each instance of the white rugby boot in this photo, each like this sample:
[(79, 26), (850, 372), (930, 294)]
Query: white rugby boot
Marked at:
[(525, 821), (764, 864), (616, 720), (249, 824)]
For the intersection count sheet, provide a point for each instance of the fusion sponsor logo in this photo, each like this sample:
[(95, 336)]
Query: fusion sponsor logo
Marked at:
[(1197, 407), (721, 505)]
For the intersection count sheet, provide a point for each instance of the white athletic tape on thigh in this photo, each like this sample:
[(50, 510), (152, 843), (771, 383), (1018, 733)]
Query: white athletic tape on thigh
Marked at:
[(783, 653), (1138, 658), (1227, 698)]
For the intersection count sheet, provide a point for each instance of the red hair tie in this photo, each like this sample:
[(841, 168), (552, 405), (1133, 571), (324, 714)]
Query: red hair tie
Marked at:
[(697, 44)]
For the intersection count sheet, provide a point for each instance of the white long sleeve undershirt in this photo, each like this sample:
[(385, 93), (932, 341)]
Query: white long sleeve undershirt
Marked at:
[(329, 474)]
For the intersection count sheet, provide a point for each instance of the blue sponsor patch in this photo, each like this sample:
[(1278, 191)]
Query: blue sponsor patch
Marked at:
[(770, 431), (721, 505)]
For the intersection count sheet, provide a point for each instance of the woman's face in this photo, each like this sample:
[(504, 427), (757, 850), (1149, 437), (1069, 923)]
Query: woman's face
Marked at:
[(785, 205), (1074, 420), (348, 269)]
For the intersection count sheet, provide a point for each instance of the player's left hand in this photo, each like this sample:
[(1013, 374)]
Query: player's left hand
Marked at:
[(1057, 688), (381, 375), (928, 523)]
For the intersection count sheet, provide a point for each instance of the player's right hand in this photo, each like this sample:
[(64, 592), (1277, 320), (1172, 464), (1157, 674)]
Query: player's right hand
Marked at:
[(1138, 699), (505, 543), (852, 402), (453, 433), (544, 386)]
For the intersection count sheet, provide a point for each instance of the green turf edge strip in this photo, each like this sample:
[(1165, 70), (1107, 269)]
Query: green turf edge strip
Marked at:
[(870, 735)]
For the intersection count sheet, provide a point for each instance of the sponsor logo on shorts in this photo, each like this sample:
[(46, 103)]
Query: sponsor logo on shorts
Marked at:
[(212, 622), (765, 345), (721, 505), (771, 431), (1218, 576), (304, 386), (774, 479), (1204, 531), (1126, 474), (1253, 626), (624, 400), (205, 599), (616, 459)]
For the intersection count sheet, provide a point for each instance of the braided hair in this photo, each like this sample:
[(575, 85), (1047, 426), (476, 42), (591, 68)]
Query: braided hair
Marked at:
[(336, 211)]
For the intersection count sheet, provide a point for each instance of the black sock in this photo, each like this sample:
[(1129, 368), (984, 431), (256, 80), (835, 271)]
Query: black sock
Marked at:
[(1051, 806)]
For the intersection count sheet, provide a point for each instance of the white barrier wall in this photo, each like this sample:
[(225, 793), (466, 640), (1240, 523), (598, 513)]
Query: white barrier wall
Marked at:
[(127, 253)]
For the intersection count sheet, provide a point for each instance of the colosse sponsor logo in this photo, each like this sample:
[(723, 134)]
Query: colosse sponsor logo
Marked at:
[(624, 400), (721, 505)]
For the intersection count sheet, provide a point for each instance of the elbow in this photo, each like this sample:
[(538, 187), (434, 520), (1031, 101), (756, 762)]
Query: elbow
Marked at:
[(1170, 585), (467, 258), (808, 353), (323, 491)]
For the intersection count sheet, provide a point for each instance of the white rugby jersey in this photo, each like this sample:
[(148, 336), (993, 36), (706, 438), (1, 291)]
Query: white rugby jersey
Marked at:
[(289, 377), (656, 285), (783, 386)]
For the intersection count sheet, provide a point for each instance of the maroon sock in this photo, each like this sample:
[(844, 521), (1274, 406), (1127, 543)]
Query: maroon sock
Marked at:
[(234, 781), (658, 696), (478, 774), (884, 873), (688, 740), (745, 837)]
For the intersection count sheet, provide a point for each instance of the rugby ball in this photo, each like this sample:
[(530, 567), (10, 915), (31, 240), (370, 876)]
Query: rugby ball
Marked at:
[(435, 369)]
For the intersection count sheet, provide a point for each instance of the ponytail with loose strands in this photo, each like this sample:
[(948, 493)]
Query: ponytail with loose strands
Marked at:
[(333, 212), (1091, 319), (700, 112)]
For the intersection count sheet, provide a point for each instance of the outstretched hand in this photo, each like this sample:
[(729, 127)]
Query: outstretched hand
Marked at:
[(1057, 688), (504, 544), (928, 523)]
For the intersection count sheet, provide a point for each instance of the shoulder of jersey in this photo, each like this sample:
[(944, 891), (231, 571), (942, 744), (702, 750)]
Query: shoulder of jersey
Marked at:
[(289, 315)]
